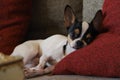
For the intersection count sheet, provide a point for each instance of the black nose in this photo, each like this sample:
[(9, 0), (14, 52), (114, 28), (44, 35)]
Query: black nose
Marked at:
[(79, 44)]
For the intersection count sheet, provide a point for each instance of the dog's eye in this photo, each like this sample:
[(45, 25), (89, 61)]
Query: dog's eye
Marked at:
[(88, 36), (77, 31)]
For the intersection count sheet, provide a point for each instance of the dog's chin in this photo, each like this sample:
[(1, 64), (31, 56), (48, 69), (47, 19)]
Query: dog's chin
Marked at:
[(78, 47)]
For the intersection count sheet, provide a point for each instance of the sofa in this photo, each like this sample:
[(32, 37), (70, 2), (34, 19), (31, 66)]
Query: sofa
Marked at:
[(98, 61), (70, 77)]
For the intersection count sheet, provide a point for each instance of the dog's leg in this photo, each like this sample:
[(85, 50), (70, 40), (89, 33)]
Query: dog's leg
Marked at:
[(42, 61), (29, 74), (34, 62), (37, 70)]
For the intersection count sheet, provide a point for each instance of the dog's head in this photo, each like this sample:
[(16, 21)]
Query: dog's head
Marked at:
[(81, 33)]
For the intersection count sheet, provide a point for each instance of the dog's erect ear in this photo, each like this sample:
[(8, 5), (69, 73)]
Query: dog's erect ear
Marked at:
[(69, 16), (97, 21)]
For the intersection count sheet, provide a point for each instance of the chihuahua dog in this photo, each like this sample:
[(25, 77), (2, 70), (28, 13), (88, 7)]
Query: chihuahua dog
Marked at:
[(51, 50)]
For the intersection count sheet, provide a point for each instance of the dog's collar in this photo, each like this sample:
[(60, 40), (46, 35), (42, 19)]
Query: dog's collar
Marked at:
[(64, 48)]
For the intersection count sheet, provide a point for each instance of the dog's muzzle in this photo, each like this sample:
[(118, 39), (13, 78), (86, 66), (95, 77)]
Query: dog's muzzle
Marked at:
[(80, 44)]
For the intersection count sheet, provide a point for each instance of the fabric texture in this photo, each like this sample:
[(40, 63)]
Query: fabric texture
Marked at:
[(102, 56), (14, 20)]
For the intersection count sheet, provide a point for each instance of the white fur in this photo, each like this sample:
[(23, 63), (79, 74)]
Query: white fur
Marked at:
[(50, 48)]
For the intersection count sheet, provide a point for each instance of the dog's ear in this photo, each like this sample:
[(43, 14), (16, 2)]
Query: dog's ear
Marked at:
[(69, 17), (97, 21)]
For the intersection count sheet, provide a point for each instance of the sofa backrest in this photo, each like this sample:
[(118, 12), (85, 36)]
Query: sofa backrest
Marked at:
[(48, 18), (90, 7)]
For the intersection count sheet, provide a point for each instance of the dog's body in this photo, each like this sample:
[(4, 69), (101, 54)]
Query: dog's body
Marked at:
[(29, 49), (56, 47), (47, 53)]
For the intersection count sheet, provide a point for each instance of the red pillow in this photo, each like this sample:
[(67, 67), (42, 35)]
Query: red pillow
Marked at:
[(14, 20), (111, 11), (102, 56)]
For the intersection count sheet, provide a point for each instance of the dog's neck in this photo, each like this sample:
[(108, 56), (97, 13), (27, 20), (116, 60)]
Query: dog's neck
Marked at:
[(67, 49)]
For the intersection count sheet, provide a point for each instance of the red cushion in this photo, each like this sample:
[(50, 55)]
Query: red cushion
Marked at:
[(111, 11), (102, 56), (14, 20)]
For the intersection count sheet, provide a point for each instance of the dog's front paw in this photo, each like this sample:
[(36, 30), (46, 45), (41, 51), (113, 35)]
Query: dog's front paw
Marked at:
[(29, 73)]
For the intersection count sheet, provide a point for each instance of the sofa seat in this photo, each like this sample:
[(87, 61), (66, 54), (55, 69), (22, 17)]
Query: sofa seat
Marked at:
[(70, 77)]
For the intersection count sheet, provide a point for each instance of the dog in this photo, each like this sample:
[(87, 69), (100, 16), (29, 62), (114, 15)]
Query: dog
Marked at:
[(54, 48)]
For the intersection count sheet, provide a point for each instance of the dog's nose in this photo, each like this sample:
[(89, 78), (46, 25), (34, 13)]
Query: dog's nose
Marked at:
[(79, 44)]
